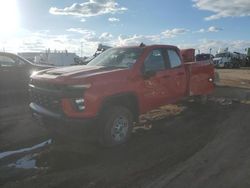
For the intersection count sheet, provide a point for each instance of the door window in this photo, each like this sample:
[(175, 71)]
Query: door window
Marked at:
[(155, 61), (6, 61), (174, 59)]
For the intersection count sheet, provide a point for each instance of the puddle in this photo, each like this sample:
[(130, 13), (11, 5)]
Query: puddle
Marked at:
[(9, 153), (26, 162)]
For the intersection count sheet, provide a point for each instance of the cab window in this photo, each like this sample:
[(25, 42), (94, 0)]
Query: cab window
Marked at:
[(174, 59), (154, 61)]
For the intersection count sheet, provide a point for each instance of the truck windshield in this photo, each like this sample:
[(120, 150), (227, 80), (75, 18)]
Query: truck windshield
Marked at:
[(117, 58)]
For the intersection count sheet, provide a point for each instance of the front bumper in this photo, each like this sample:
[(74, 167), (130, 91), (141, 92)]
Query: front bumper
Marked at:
[(39, 112)]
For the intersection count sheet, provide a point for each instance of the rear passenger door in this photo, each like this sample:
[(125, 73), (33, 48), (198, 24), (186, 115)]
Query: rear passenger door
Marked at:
[(176, 80)]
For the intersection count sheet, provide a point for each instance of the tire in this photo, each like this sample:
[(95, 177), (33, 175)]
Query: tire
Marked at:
[(115, 126)]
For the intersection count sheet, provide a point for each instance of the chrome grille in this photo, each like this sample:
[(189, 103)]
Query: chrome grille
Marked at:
[(46, 100)]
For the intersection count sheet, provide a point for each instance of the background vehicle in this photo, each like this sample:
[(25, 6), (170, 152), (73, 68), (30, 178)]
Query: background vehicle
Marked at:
[(188, 55), (117, 86), (15, 72), (226, 59), (204, 57), (57, 58)]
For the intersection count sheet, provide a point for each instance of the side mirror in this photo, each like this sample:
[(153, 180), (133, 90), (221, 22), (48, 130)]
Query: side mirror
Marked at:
[(149, 74)]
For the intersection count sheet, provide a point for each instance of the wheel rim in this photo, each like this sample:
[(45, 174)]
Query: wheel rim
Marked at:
[(120, 128)]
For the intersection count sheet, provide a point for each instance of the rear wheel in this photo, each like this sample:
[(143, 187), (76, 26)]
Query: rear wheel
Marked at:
[(115, 126)]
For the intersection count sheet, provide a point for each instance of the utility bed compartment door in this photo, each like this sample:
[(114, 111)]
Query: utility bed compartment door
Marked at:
[(200, 75)]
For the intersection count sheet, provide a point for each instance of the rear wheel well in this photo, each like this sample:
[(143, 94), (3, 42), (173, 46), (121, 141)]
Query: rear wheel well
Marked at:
[(127, 100)]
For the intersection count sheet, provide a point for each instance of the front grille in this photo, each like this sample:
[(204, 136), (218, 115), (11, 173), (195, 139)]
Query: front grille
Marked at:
[(47, 100)]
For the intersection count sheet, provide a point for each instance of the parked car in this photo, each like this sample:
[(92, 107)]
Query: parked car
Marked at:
[(227, 59), (117, 86), (204, 57), (14, 73)]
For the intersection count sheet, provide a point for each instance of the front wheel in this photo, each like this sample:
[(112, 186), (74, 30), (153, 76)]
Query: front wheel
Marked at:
[(115, 126)]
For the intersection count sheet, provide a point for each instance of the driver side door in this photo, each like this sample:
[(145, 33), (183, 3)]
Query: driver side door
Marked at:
[(155, 92)]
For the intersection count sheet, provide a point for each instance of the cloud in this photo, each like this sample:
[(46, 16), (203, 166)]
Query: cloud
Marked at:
[(81, 31), (39, 41), (201, 31), (211, 29), (171, 33), (125, 40), (214, 29), (114, 19), (205, 44), (224, 8), (29, 41), (105, 36), (90, 8), (83, 20)]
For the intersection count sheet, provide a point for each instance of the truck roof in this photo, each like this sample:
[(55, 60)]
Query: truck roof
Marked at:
[(150, 46)]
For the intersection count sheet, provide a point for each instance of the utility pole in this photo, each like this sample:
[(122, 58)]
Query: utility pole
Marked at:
[(81, 48), (210, 53)]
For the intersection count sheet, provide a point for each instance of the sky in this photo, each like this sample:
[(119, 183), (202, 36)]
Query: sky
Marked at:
[(80, 25)]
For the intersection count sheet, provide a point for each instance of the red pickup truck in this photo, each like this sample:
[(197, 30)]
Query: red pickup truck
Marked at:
[(117, 86)]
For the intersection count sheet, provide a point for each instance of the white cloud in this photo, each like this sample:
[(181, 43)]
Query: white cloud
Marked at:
[(28, 41), (81, 31), (211, 29), (105, 36), (137, 39), (201, 31), (42, 40), (171, 33), (83, 20), (113, 19), (205, 44), (214, 29), (224, 8), (90, 8)]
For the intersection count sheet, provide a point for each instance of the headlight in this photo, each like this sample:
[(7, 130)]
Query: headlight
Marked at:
[(79, 103), (75, 91)]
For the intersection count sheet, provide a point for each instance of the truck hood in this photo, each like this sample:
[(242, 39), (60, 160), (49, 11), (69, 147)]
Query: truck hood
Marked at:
[(81, 71)]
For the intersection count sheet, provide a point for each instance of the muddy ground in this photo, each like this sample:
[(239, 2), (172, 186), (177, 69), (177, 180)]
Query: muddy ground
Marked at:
[(235, 77), (205, 146)]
